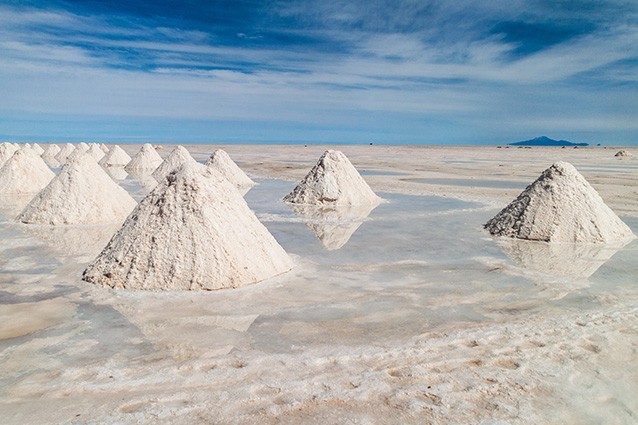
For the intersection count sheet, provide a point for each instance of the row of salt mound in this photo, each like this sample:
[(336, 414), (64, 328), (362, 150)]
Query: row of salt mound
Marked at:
[(116, 157), (560, 206), (146, 160), (81, 194), (24, 173), (193, 231), (6, 151)]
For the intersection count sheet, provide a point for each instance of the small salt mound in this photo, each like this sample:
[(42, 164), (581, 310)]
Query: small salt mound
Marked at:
[(193, 231), (65, 151), (560, 206), (333, 181), (50, 152), (147, 159), (96, 152), (115, 158), (83, 146), (176, 159), (37, 149), (104, 148), (24, 173), (6, 151), (623, 153), (81, 194), (221, 162)]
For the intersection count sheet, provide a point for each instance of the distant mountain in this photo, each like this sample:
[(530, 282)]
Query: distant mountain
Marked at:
[(546, 141)]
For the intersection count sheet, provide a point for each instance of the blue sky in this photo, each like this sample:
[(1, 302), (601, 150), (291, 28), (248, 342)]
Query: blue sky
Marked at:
[(299, 71)]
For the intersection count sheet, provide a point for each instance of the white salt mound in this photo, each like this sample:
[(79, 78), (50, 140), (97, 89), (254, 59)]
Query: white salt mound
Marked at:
[(560, 206), (104, 148), (333, 181), (115, 158), (173, 161), (81, 194), (193, 231), (147, 159), (6, 151), (65, 151), (221, 162), (83, 146), (95, 152), (51, 151), (37, 149), (623, 153), (24, 173)]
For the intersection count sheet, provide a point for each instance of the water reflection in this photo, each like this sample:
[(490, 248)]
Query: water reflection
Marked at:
[(564, 259), (12, 205), (333, 225)]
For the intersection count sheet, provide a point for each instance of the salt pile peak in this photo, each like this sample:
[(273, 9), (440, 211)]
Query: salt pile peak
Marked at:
[(221, 162), (104, 148), (24, 173), (173, 161), (333, 181), (65, 151), (83, 146), (95, 151), (560, 206), (51, 151), (147, 159), (81, 194), (116, 157), (194, 231), (6, 151), (37, 149)]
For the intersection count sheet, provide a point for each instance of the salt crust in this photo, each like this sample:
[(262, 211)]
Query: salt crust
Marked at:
[(560, 206), (192, 232)]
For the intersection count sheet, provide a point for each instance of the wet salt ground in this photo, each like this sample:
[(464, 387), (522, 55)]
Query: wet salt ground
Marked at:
[(414, 264)]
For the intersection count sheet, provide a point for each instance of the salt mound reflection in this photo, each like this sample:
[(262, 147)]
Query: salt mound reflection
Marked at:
[(564, 259), (12, 205), (333, 225)]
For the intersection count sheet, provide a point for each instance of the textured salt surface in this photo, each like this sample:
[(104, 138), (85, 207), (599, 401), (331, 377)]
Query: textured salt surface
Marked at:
[(65, 151), (6, 152), (147, 159), (560, 206), (173, 161), (24, 173), (192, 232), (95, 151), (333, 180), (116, 157), (222, 163), (37, 149), (81, 194)]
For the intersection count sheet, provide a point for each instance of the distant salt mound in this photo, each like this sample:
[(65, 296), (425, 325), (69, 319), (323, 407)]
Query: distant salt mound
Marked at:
[(333, 181), (65, 151), (623, 153), (24, 173), (173, 161), (560, 206), (115, 158), (221, 162), (81, 194), (193, 231), (83, 146), (37, 149), (96, 152), (51, 151), (6, 151), (147, 159), (104, 148)]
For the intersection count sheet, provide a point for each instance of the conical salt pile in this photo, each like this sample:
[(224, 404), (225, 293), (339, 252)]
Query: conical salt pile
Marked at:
[(84, 146), (193, 231), (6, 151), (221, 162), (333, 181), (51, 151), (65, 151), (81, 194), (96, 152), (147, 159), (115, 158), (24, 173), (104, 148), (176, 159), (560, 206), (37, 149)]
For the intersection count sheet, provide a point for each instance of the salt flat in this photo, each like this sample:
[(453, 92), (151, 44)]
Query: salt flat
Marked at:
[(406, 313)]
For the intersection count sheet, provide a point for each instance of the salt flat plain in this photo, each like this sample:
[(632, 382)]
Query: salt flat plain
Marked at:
[(408, 313)]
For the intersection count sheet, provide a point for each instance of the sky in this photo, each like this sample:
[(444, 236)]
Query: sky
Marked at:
[(299, 71)]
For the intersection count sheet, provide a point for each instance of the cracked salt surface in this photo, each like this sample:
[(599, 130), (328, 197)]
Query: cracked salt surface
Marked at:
[(418, 316)]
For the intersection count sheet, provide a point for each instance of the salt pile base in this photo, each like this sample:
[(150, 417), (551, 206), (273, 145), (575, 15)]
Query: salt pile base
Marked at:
[(147, 159), (334, 181), (193, 231), (81, 194), (560, 206), (116, 157), (221, 162), (24, 173), (173, 161)]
